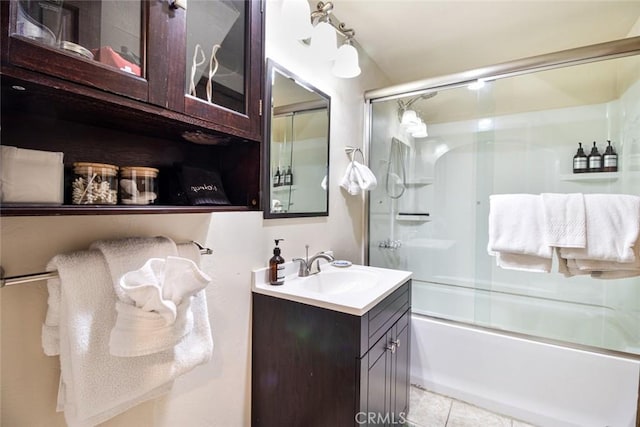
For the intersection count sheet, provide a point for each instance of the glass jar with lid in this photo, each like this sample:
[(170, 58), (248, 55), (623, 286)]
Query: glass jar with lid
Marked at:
[(94, 184), (138, 185)]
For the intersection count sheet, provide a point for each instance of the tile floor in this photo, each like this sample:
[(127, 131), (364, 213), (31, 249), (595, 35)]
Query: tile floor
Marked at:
[(429, 409)]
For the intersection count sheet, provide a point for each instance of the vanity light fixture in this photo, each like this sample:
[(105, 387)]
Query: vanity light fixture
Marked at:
[(409, 119), (319, 30), (296, 14)]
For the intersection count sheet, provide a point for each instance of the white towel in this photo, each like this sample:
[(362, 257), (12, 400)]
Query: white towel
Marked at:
[(516, 227), (613, 228), (602, 269), (564, 219), (162, 291), (95, 385), (358, 177)]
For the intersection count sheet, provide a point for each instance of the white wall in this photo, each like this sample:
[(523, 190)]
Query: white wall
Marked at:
[(216, 394)]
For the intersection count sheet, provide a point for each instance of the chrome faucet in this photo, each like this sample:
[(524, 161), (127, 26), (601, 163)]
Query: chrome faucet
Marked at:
[(307, 263)]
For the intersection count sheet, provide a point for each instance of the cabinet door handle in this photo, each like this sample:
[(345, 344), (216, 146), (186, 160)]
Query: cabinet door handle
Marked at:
[(396, 342), (391, 347)]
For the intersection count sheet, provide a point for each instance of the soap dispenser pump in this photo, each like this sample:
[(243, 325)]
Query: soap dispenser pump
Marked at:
[(595, 159), (276, 266), (609, 159), (580, 160)]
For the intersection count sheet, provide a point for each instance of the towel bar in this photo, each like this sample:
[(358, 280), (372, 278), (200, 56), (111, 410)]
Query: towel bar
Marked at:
[(34, 277)]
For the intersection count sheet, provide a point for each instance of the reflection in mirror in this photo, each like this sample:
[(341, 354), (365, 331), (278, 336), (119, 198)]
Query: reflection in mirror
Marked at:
[(297, 158)]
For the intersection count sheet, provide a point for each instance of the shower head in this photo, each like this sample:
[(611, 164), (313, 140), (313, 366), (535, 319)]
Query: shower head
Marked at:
[(404, 105)]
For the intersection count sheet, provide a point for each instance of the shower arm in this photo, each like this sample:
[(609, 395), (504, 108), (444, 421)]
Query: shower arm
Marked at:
[(403, 106)]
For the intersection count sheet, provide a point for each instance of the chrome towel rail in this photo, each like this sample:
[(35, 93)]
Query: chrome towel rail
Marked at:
[(35, 277)]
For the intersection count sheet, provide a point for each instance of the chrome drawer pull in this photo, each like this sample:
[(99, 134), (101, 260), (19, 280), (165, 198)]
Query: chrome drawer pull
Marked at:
[(396, 343), (391, 347)]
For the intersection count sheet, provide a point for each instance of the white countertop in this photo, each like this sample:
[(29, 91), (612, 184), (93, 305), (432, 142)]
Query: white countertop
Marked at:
[(355, 299)]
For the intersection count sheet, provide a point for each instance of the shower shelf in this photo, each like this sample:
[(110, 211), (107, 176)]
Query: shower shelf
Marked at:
[(420, 181), (413, 218), (284, 188), (593, 177)]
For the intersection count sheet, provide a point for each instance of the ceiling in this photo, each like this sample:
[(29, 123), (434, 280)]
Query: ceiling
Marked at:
[(417, 39)]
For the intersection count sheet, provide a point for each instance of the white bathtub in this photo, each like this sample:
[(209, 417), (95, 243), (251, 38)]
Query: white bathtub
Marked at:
[(544, 384)]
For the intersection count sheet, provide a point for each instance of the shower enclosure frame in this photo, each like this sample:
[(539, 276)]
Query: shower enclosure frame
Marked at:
[(582, 55)]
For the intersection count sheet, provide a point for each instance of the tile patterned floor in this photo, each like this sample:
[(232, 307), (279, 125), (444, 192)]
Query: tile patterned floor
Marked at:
[(428, 409)]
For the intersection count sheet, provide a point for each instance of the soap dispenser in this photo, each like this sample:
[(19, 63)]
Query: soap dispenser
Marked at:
[(580, 160), (595, 159), (276, 266), (609, 159)]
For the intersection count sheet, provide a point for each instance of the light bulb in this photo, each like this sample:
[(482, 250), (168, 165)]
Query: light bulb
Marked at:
[(409, 117), (296, 16), (324, 41), (346, 63), (420, 131)]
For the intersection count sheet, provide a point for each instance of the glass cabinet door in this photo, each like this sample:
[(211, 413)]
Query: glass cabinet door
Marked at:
[(218, 64), (216, 44), (100, 43)]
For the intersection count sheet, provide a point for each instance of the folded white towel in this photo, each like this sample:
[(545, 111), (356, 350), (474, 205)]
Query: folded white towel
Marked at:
[(162, 291), (564, 219), (523, 262), (602, 269), (358, 177), (613, 228), (96, 385), (131, 253), (516, 225)]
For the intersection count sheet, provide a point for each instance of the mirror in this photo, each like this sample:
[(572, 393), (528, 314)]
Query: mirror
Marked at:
[(297, 147)]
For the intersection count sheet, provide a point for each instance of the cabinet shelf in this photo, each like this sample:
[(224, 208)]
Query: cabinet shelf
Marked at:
[(42, 210), (592, 177)]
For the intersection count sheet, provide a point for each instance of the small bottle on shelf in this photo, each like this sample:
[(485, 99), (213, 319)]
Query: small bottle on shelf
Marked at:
[(595, 159), (288, 177), (609, 159), (580, 160), (277, 178)]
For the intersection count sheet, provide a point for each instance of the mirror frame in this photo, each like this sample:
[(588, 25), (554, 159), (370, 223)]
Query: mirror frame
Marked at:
[(271, 68)]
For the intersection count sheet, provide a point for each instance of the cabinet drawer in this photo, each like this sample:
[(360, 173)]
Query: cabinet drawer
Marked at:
[(381, 317)]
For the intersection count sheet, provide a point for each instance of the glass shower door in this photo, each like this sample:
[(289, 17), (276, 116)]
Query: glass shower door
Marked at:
[(429, 214)]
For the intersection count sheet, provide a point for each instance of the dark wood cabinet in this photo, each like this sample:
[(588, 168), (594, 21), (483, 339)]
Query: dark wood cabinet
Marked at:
[(317, 367), (134, 86)]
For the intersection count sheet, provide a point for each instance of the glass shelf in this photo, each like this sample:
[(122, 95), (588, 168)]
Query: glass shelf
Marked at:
[(413, 218), (593, 176), (284, 188), (420, 181)]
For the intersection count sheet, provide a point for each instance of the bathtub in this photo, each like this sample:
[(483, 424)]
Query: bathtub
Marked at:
[(538, 382)]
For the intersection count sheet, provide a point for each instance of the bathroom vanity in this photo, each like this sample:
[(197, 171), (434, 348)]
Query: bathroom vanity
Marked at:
[(326, 362)]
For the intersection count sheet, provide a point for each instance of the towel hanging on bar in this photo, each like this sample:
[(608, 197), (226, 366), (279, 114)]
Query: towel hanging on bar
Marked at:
[(35, 277)]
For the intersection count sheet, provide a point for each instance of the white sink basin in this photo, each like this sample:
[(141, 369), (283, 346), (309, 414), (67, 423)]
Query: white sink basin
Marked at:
[(336, 281), (352, 290)]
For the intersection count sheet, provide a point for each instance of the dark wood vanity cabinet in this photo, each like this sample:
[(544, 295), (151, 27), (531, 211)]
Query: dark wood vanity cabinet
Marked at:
[(109, 82), (313, 366)]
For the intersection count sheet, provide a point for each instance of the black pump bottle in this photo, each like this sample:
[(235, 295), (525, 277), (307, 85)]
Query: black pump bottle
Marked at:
[(580, 160), (595, 159), (276, 266)]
